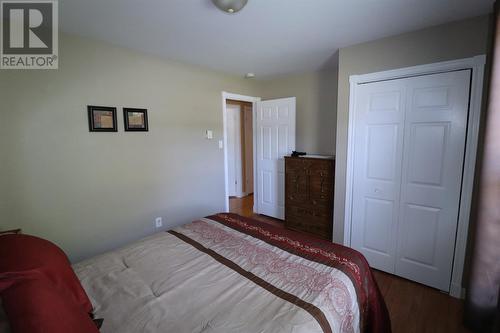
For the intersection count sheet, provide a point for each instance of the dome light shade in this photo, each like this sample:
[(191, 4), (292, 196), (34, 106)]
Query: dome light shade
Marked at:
[(230, 6)]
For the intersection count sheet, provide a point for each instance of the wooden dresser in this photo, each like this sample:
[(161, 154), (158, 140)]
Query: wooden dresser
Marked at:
[(309, 195)]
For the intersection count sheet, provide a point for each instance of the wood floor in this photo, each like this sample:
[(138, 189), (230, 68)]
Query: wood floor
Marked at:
[(413, 308), (244, 207)]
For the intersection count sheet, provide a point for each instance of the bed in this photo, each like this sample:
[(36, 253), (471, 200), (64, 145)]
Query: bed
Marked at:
[(228, 273)]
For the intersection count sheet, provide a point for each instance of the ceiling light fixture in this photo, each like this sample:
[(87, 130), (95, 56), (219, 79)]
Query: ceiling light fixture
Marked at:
[(230, 6)]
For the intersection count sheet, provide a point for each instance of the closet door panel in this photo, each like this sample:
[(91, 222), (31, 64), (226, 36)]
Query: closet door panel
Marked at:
[(378, 139), (434, 146)]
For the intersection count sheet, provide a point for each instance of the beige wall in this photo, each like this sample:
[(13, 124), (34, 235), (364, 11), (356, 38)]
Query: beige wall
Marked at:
[(316, 95), (445, 42), (90, 192)]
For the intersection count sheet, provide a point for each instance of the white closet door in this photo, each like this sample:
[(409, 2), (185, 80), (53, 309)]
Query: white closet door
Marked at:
[(409, 146), (378, 140), (275, 127), (435, 133)]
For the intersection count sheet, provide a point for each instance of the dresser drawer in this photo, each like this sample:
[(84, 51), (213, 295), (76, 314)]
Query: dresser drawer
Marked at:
[(321, 188), (321, 168), (308, 223), (305, 225), (309, 212), (295, 165), (296, 187)]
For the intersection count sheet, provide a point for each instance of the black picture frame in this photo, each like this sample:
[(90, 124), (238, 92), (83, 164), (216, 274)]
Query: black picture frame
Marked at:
[(133, 127), (95, 125)]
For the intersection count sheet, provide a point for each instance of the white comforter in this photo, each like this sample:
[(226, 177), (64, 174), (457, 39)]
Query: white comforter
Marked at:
[(207, 277)]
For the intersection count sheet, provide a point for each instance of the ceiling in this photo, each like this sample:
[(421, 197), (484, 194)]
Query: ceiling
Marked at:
[(268, 37)]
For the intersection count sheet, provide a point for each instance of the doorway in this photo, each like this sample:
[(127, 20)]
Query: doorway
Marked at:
[(240, 166), (272, 136), (239, 152)]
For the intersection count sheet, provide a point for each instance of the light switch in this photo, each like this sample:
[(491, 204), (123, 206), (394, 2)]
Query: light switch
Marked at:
[(221, 144), (209, 135), (158, 222)]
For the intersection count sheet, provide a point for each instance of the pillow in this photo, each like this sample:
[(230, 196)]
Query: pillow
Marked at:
[(12, 231), (21, 253), (33, 304)]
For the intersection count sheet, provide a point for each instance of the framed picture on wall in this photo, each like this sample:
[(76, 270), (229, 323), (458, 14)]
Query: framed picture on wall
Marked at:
[(136, 120), (102, 118)]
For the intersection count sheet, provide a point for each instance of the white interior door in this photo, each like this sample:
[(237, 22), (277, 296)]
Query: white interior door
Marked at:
[(234, 150), (409, 146), (433, 158), (378, 137), (275, 130)]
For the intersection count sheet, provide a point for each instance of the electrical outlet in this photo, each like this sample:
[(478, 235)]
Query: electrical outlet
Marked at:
[(158, 222)]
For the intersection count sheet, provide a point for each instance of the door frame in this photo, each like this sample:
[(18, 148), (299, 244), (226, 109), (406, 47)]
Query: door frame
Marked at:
[(253, 100), (238, 190), (476, 64)]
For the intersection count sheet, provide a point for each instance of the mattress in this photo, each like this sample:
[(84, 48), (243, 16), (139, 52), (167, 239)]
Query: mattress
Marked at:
[(227, 273)]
